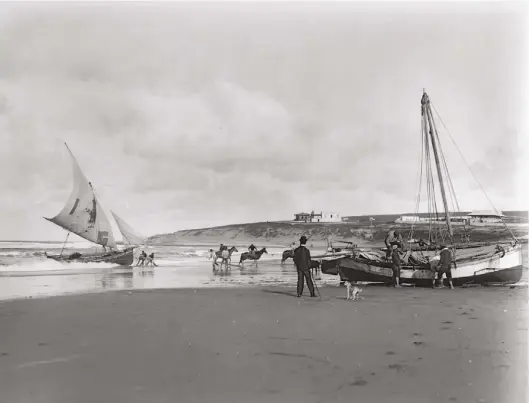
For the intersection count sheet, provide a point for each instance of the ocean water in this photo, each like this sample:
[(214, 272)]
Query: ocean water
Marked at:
[(26, 272)]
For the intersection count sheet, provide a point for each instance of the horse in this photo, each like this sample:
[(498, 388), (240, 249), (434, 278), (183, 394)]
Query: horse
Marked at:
[(289, 253), (248, 256), (314, 267), (218, 255)]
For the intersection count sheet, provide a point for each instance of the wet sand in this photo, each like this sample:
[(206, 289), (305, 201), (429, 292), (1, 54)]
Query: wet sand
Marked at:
[(265, 345)]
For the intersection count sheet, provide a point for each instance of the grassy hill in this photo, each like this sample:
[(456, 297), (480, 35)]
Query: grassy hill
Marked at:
[(284, 232)]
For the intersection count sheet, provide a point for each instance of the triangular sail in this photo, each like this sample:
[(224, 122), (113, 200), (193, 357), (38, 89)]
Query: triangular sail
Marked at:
[(82, 213), (129, 235)]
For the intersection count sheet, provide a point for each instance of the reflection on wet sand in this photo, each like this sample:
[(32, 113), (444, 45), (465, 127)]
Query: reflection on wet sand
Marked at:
[(117, 278)]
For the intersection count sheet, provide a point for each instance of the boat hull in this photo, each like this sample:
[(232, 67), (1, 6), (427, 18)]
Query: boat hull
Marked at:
[(499, 268), (122, 258)]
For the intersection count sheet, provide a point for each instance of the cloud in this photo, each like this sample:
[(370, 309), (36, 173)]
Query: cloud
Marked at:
[(195, 115)]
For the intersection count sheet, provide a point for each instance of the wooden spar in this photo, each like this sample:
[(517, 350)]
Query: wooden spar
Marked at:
[(64, 244), (427, 110)]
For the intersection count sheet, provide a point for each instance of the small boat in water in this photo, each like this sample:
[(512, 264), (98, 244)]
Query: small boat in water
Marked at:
[(84, 216), (475, 263)]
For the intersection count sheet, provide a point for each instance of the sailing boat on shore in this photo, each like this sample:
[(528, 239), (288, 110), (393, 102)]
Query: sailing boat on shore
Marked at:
[(478, 263), (130, 236), (84, 216)]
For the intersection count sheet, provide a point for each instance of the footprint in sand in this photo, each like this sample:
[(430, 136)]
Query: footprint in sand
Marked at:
[(417, 334), (447, 321), (446, 328), (398, 367), (358, 382), (42, 344), (390, 352), (4, 354), (418, 343)]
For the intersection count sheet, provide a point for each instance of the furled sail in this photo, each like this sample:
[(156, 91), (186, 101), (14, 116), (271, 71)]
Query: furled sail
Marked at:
[(82, 213), (129, 235)]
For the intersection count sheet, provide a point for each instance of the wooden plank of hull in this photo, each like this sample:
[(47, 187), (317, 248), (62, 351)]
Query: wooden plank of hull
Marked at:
[(496, 269), (124, 258)]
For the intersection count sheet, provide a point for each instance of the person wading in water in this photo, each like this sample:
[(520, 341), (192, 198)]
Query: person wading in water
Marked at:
[(302, 261)]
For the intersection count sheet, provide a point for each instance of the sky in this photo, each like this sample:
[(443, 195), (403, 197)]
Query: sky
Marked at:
[(196, 115)]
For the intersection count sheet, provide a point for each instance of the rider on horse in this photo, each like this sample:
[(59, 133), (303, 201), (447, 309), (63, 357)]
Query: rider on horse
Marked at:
[(252, 249)]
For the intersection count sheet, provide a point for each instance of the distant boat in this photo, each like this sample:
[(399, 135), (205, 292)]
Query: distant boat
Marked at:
[(84, 216), (476, 263)]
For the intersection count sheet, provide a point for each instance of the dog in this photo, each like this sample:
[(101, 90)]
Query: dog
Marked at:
[(353, 291)]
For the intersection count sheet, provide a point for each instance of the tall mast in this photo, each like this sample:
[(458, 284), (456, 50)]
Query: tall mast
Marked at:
[(425, 102)]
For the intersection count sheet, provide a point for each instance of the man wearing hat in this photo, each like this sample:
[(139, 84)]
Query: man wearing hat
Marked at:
[(302, 261)]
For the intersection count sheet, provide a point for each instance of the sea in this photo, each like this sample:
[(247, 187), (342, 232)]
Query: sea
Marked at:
[(25, 272)]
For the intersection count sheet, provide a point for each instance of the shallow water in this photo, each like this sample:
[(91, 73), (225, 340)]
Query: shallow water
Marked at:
[(26, 272)]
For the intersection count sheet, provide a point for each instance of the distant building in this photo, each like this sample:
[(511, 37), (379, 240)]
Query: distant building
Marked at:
[(303, 217), (322, 217), (405, 219), (485, 216)]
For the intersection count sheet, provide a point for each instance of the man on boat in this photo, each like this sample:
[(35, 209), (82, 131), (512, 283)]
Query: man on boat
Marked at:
[(393, 238), (252, 249), (444, 266), (302, 261), (396, 265)]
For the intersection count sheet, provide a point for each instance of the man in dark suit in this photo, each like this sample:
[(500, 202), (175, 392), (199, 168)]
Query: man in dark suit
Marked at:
[(302, 261)]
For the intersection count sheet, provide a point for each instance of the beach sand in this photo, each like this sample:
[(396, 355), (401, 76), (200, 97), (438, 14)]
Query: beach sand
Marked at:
[(265, 345)]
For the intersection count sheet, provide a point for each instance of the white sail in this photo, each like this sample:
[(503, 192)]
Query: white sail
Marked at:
[(129, 235), (82, 213)]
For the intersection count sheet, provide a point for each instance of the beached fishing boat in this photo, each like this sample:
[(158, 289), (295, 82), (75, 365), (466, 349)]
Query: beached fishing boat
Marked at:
[(130, 236), (83, 216), (475, 263)]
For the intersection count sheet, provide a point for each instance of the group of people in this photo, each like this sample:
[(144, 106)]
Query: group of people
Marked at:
[(144, 260), (443, 266)]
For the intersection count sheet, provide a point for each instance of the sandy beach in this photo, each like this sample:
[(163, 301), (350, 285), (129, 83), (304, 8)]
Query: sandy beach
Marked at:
[(264, 345)]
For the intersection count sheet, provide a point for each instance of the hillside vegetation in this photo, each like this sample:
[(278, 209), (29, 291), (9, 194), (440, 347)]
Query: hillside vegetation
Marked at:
[(283, 233)]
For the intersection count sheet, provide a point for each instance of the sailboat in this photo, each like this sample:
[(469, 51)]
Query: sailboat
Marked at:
[(84, 216), (129, 235), (475, 263)]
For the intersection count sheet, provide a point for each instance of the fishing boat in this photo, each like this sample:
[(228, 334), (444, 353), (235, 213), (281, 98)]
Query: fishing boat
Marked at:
[(83, 215), (130, 236), (475, 263)]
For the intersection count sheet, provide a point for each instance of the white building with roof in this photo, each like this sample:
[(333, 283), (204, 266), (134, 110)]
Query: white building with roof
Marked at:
[(485, 217)]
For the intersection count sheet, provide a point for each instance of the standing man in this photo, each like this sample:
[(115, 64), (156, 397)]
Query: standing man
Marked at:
[(393, 238), (302, 262), (396, 265), (445, 266)]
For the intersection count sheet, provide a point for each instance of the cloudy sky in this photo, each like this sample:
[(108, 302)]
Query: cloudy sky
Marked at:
[(195, 115)]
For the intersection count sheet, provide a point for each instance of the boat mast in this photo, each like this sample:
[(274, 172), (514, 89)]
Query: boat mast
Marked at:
[(425, 102)]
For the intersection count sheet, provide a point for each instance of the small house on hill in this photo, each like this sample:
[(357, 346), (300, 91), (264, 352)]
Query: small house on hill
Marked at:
[(317, 217), (303, 217)]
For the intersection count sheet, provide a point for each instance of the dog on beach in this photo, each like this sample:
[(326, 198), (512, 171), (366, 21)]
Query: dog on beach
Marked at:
[(353, 291)]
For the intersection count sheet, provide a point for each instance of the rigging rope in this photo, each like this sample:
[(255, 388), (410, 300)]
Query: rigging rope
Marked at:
[(468, 166), (419, 181)]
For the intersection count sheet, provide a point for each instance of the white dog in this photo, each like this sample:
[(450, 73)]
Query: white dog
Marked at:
[(352, 291)]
